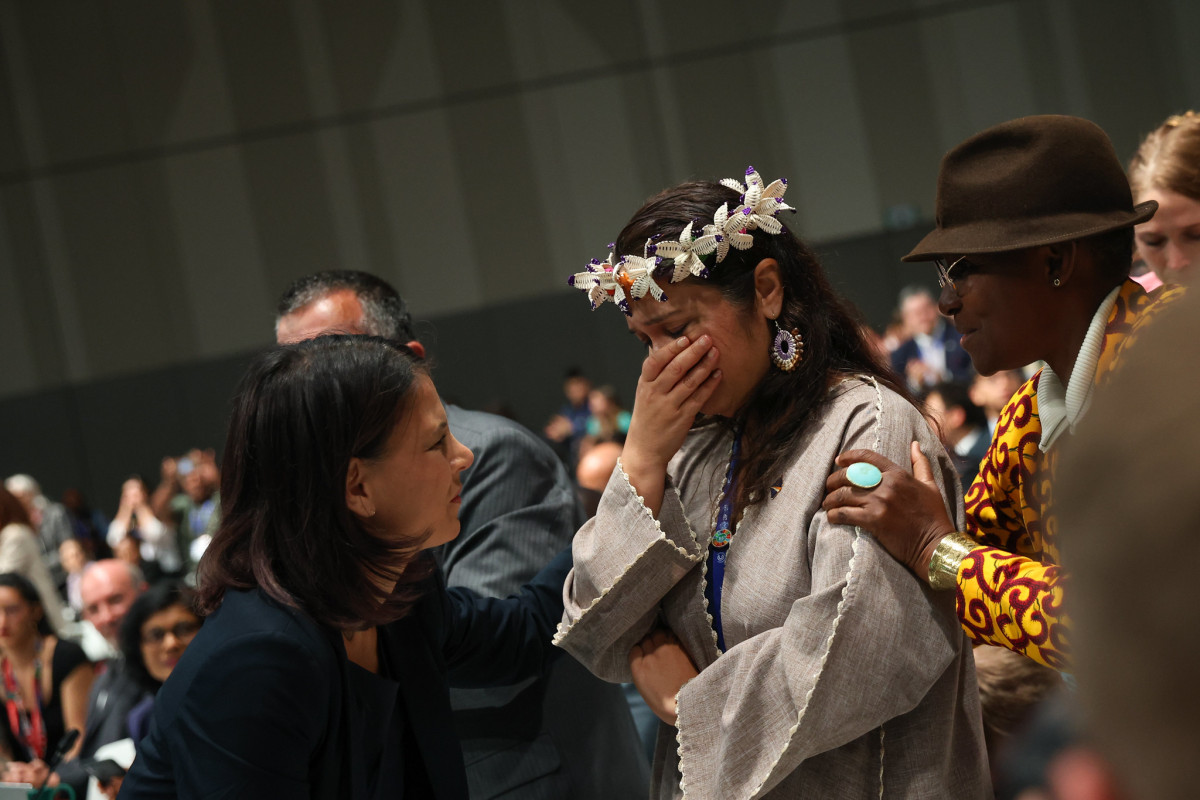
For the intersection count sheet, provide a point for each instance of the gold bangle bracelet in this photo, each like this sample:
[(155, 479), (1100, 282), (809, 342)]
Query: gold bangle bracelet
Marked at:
[(947, 558)]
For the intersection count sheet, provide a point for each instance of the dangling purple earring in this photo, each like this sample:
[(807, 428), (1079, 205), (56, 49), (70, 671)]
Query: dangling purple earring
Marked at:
[(788, 348)]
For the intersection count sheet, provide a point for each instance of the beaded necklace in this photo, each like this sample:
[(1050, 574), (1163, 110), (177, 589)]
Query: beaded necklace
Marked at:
[(27, 725), (722, 536)]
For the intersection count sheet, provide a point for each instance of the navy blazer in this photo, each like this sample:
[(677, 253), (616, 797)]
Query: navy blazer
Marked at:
[(260, 704), (958, 362)]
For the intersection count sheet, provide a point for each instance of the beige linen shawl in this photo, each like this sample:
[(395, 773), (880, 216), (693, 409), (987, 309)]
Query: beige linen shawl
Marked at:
[(845, 676)]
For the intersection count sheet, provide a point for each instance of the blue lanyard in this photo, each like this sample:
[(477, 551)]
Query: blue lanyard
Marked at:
[(717, 548)]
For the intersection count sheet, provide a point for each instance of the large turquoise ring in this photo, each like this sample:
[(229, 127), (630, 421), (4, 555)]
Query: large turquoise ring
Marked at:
[(864, 475)]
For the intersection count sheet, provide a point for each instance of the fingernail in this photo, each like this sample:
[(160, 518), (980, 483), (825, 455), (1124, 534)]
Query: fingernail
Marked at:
[(682, 341)]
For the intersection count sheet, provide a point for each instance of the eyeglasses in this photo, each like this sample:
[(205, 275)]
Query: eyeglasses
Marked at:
[(184, 629), (952, 273)]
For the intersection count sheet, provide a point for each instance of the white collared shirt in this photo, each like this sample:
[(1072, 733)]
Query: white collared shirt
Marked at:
[(1060, 408)]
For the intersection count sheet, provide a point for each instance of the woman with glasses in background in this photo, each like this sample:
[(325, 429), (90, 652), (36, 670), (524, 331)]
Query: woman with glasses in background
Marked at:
[(158, 628)]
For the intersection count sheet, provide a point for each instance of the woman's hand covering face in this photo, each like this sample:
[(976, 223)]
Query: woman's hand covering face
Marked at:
[(676, 381), (905, 513)]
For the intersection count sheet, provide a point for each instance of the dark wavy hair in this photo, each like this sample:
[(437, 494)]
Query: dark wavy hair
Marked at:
[(301, 413), (159, 597), (29, 594), (781, 406)]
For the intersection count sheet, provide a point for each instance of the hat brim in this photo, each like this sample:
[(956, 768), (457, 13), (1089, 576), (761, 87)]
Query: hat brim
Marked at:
[(1002, 236)]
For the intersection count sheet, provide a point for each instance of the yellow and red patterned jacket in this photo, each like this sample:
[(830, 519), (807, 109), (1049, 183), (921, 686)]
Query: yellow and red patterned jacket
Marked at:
[(1010, 590)]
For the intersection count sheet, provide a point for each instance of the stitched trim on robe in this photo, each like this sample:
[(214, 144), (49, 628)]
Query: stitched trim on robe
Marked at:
[(564, 630)]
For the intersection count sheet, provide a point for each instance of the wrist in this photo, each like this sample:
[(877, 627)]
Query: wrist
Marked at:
[(945, 559)]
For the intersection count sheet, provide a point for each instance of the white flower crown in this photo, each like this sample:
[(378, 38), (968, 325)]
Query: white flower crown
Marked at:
[(633, 276)]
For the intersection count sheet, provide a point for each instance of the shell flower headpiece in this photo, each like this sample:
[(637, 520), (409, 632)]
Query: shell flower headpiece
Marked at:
[(632, 277)]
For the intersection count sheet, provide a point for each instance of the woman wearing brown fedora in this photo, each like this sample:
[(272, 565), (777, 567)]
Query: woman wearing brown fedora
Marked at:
[(1166, 169), (1032, 246)]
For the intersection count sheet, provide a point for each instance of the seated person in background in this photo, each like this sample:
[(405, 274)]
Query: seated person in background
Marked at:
[(567, 428), (74, 560), (135, 518), (187, 499), (963, 428), (46, 682), (158, 628), (607, 420), (932, 353), (49, 520), (593, 473), (21, 553), (129, 550), (992, 393), (108, 588), (89, 524)]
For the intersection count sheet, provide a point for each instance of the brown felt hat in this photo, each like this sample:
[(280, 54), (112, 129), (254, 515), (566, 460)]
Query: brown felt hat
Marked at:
[(1026, 183)]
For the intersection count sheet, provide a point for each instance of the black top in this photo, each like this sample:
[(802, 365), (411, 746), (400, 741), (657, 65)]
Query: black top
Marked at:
[(264, 703), (67, 656)]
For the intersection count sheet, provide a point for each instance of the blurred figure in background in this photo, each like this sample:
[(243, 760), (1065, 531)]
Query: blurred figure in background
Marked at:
[(932, 353), (187, 499), (607, 420), (1166, 169), (88, 523), (1132, 557), (48, 519), (566, 429), (963, 428), (992, 393), (21, 553), (135, 519), (74, 561)]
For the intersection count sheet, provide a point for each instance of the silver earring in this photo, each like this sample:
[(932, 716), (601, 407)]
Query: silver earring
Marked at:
[(1057, 282), (787, 349)]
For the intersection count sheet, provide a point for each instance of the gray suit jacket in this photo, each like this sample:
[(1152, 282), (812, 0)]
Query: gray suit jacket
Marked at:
[(113, 696), (571, 734)]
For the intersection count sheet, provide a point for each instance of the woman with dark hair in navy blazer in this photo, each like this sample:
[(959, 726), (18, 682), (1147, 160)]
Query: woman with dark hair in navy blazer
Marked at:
[(323, 667)]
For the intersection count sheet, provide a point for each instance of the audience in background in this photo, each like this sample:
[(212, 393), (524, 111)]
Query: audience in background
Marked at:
[(593, 472), (21, 553), (108, 588), (566, 429), (992, 393), (88, 523), (136, 521), (49, 519), (607, 420), (963, 428), (1166, 169), (932, 353), (157, 629), (46, 682), (74, 560), (187, 499)]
